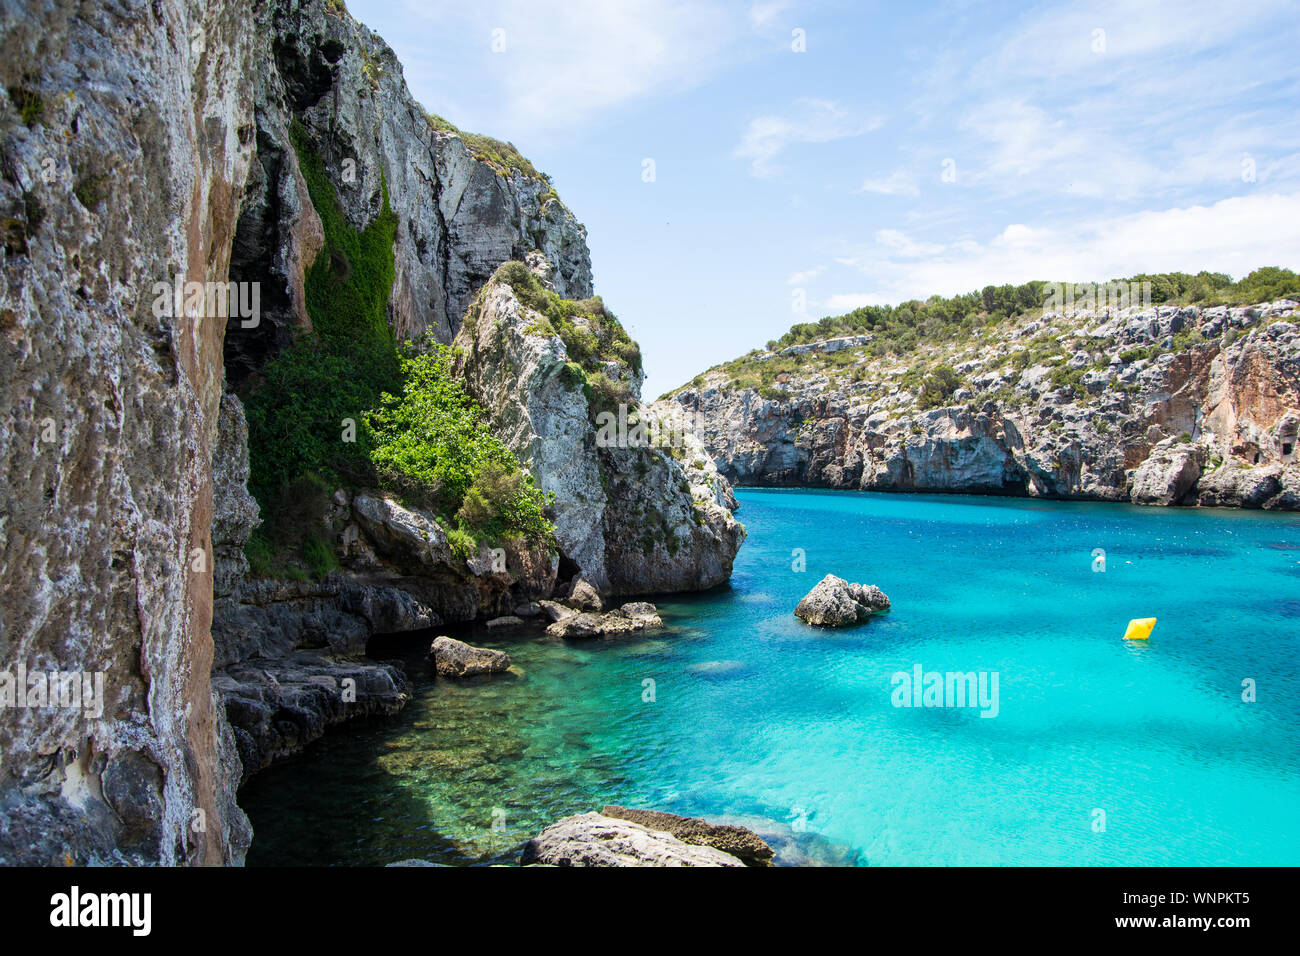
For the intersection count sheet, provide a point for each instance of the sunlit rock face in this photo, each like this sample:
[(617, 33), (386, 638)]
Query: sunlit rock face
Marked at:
[(1228, 403), (127, 138), (633, 519)]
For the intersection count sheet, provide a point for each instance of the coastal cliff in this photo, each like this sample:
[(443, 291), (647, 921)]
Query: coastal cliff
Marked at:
[(1163, 405), (180, 514)]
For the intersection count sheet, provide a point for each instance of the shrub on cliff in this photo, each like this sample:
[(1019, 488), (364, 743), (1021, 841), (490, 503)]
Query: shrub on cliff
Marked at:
[(344, 405), (938, 387), (431, 443), (298, 416), (591, 333)]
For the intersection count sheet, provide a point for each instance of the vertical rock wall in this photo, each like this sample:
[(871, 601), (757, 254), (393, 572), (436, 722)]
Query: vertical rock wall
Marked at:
[(125, 138)]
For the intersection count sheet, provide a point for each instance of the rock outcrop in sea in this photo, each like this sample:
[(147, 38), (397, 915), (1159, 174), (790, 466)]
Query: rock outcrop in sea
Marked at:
[(1159, 405), (453, 658), (632, 517), (740, 842), (834, 602)]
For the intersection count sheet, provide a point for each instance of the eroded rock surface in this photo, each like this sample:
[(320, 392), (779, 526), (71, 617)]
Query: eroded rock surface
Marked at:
[(834, 602), (635, 520), (123, 156), (632, 617), (746, 845), (590, 839), (453, 658), (1063, 405)]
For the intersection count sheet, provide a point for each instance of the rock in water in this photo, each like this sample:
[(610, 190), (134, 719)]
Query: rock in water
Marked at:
[(740, 842), (835, 602), (634, 616), (590, 839), (453, 658), (584, 597)]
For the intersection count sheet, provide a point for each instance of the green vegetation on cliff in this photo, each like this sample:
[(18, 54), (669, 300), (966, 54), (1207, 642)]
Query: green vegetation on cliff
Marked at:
[(900, 328), (592, 336), (920, 332), (343, 405), (432, 444), (502, 157)]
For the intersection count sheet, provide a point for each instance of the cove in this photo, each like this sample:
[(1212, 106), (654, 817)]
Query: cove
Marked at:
[(1103, 752)]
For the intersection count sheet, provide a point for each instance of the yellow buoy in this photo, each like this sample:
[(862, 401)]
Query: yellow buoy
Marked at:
[(1139, 629)]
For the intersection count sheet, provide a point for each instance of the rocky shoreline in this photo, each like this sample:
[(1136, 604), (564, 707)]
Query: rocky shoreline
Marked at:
[(1156, 406)]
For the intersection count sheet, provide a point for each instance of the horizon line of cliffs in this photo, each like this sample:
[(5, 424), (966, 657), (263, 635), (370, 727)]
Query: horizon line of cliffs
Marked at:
[(1157, 406)]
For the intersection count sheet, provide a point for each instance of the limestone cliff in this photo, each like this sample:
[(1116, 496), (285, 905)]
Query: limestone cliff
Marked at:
[(631, 517), (148, 144), (1164, 405), (126, 138)]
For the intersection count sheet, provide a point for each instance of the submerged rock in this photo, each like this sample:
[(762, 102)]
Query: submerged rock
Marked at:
[(453, 658), (742, 843), (590, 839), (835, 602)]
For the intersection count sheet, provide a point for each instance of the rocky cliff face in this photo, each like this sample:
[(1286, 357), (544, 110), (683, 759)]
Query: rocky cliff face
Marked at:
[(632, 518), (127, 136), (460, 215), (150, 143), (1166, 405)]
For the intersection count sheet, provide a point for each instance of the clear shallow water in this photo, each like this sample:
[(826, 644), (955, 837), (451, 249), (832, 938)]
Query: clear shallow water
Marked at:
[(763, 719)]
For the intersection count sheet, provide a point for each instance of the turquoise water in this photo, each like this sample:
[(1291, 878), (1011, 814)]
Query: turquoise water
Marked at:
[(759, 718)]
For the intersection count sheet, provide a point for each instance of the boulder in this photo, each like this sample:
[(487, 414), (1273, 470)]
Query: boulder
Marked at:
[(590, 839), (1236, 485), (583, 596), (556, 611), (744, 844), (409, 537), (835, 602), (503, 622), (453, 658), (636, 616), (1169, 473)]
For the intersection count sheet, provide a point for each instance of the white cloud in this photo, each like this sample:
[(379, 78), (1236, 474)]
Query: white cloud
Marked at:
[(898, 183), (563, 64), (904, 245), (811, 121), (1062, 41), (763, 13), (1233, 235), (798, 278)]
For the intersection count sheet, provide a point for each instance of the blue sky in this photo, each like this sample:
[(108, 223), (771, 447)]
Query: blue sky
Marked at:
[(908, 149)]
